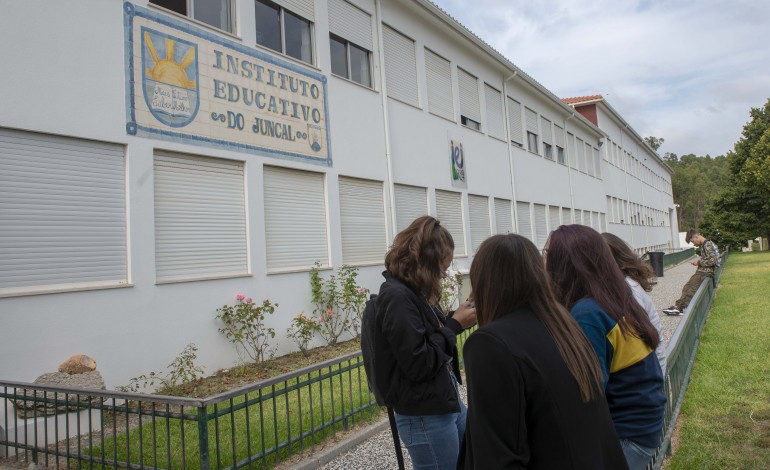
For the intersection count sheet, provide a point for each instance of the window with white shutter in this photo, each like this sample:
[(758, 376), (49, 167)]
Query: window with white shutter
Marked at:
[(597, 163), (541, 229), (532, 139), (553, 218), (494, 102), (515, 122), (581, 154), (62, 213), (503, 217), (524, 219), (400, 66), (566, 216), (478, 208), (295, 219), (411, 202), (589, 160), (200, 218), (350, 42), (470, 108), (438, 72), (449, 211), (362, 220), (571, 152), (603, 221), (547, 130)]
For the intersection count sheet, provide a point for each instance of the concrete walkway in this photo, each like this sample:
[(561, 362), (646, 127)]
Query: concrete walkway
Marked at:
[(375, 451)]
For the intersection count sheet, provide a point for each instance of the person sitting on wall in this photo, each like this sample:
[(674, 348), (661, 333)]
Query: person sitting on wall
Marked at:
[(706, 265)]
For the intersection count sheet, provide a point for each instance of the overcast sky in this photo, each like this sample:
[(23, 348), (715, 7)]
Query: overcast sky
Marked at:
[(688, 71)]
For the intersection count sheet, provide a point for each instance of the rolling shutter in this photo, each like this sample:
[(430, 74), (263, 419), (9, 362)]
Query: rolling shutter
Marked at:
[(303, 8), (62, 213), (200, 217), (411, 202), (503, 218), (478, 208), (581, 158), (571, 152), (559, 135), (553, 217), (469, 95), (362, 220), (566, 216), (494, 103), (524, 219), (351, 23), (295, 219), (531, 118), (400, 66), (449, 211), (547, 130), (439, 76), (541, 229), (514, 121)]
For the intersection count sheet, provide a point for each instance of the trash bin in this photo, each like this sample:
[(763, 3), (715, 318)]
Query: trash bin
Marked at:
[(656, 261)]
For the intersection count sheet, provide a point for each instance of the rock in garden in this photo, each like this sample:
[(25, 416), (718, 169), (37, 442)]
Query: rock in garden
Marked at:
[(78, 364), (46, 403)]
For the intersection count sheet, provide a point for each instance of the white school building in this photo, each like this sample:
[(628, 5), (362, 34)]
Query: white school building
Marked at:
[(159, 157)]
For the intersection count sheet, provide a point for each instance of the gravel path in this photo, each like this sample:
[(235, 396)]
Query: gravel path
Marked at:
[(377, 452)]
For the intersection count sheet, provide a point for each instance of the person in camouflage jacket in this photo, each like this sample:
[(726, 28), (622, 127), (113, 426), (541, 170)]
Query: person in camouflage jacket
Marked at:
[(706, 264)]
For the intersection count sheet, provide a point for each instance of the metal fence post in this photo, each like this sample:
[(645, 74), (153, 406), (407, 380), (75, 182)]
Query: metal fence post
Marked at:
[(203, 438)]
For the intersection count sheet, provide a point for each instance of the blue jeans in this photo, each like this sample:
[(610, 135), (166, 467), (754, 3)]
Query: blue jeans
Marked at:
[(637, 457), (433, 441)]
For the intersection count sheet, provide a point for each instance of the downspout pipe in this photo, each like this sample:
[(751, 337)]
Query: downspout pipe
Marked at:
[(386, 125)]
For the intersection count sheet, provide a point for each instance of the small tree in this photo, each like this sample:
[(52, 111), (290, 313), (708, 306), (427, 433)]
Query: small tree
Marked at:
[(245, 327), (302, 330)]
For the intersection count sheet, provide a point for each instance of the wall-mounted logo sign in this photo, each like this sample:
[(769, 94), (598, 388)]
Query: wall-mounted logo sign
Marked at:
[(457, 157), (188, 85)]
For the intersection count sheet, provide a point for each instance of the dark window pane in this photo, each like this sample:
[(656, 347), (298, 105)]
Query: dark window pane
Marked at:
[(297, 31), (179, 6), (213, 12), (268, 25), (339, 57), (360, 70), (468, 122)]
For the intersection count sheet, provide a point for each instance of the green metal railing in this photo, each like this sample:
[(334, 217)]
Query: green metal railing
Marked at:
[(681, 358), (673, 258), (255, 426)]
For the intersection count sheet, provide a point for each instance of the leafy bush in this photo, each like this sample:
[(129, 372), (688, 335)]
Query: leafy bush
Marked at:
[(302, 330), (245, 327), (339, 302)]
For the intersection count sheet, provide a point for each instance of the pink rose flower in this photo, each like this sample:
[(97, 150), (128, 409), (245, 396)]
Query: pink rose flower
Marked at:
[(248, 300), (240, 297), (321, 320), (361, 290), (329, 313)]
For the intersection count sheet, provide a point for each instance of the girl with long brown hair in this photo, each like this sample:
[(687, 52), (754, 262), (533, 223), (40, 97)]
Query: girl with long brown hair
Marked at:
[(415, 346), (534, 383), (589, 283), (639, 277)]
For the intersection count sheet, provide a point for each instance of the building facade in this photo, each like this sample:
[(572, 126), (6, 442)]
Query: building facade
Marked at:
[(157, 158)]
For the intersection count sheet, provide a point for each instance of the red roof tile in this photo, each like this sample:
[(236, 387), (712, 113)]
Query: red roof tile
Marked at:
[(582, 99)]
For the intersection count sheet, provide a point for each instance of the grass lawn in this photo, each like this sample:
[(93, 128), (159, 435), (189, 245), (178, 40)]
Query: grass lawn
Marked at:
[(725, 417)]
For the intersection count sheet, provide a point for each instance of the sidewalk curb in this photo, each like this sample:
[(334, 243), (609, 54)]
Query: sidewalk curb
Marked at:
[(324, 456)]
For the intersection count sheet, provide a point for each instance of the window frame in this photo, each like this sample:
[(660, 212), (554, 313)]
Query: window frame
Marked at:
[(282, 11), (190, 13), (349, 63)]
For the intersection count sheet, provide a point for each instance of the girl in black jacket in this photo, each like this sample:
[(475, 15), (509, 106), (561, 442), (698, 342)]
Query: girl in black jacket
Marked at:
[(416, 345)]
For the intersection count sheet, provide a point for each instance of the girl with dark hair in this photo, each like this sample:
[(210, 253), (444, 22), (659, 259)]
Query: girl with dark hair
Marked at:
[(415, 347), (534, 384), (589, 283), (638, 275)]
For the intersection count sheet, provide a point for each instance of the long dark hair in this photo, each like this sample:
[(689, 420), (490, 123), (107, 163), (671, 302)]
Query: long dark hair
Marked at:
[(581, 265), (507, 273), (629, 262), (417, 253)]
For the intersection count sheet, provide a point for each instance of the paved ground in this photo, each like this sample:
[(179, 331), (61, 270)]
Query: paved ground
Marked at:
[(371, 448), (377, 452)]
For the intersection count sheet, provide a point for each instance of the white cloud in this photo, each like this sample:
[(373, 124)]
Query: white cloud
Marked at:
[(687, 71)]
